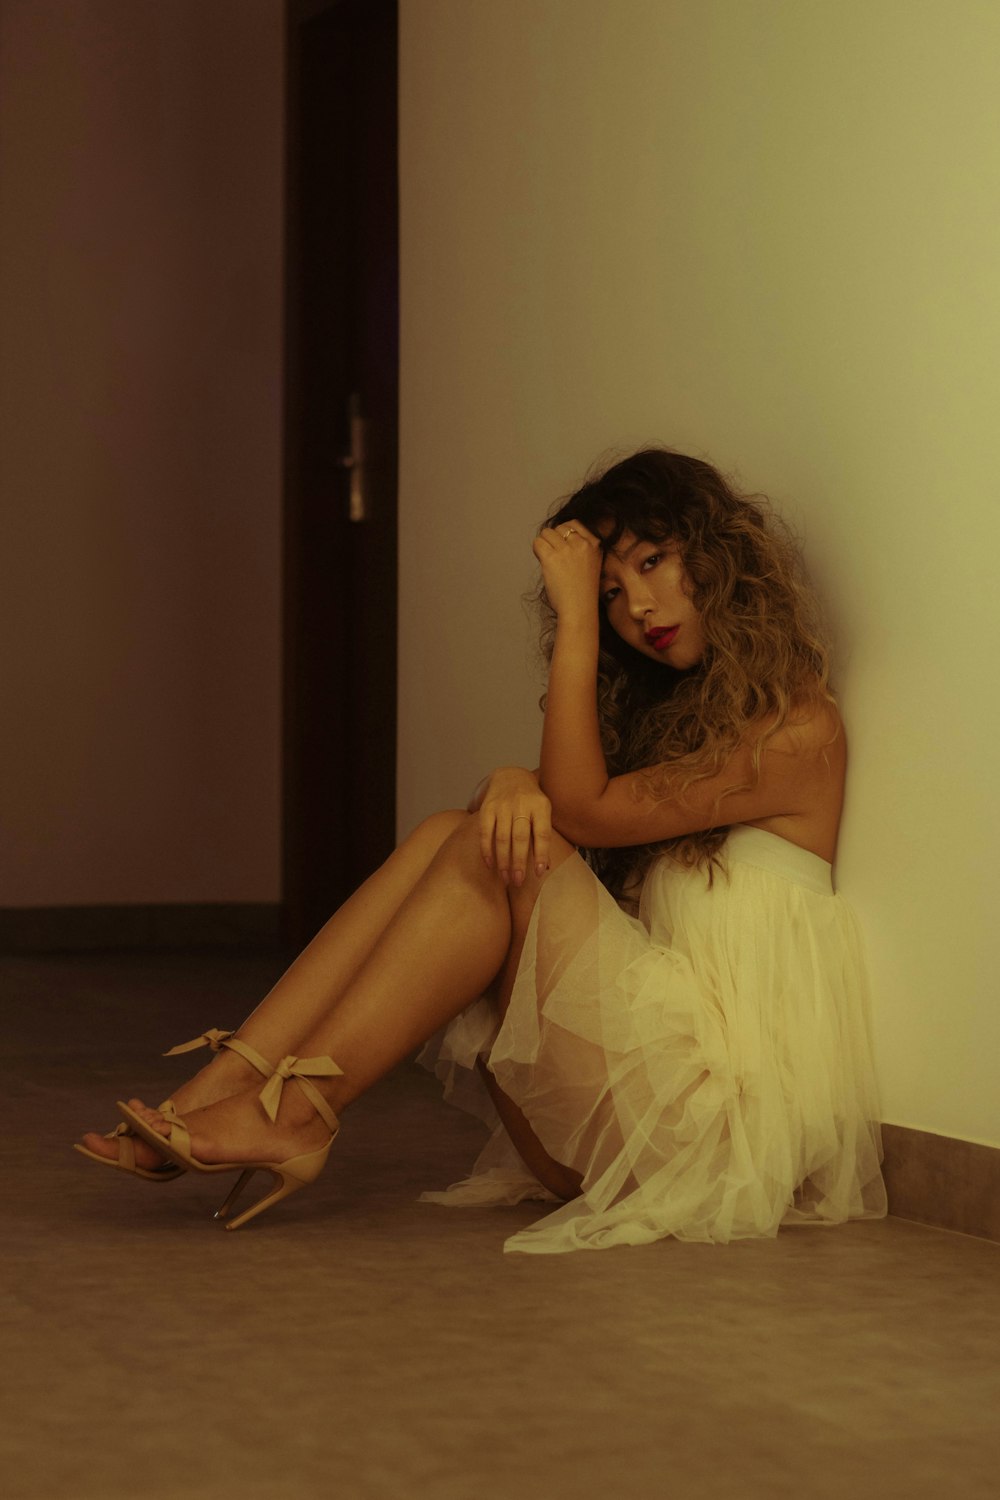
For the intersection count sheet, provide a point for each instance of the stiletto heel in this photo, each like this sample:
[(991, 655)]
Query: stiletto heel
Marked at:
[(124, 1133), (222, 1211), (294, 1173)]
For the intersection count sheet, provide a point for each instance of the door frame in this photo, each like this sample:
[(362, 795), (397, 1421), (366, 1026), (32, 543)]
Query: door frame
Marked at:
[(328, 847)]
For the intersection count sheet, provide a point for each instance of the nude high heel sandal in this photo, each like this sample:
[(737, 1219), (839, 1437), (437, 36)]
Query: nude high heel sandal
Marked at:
[(123, 1133), (125, 1160), (294, 1173)]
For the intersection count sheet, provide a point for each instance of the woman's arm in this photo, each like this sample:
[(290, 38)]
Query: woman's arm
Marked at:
[(801, 770), (573, 773), (592, 809)]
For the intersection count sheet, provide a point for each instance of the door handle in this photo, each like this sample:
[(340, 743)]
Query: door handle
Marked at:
[(356, 462)]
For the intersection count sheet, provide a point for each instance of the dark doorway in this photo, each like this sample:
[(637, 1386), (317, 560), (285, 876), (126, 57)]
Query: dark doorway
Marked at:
[(341, 418)]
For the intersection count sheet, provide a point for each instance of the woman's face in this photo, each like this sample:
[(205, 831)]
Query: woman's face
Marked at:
[(647, 596)]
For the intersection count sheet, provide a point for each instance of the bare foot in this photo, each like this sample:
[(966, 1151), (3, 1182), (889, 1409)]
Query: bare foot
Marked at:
[(237, 1129), (226, 1074)]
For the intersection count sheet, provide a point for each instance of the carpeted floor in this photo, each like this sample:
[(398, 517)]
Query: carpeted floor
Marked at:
[(355, 1343)]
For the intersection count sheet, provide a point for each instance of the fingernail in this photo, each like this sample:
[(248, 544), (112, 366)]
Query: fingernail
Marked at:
[(518, 877), (540, 868), (489, 861)]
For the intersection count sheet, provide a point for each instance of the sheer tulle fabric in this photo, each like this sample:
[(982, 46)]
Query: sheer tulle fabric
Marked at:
[(706, 1066)]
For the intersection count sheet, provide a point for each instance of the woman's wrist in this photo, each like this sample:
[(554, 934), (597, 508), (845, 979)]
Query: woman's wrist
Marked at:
[(582, 620), (576, 640), (514, 773)]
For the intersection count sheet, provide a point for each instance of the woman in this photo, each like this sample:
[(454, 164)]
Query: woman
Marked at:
[(680, 1046)]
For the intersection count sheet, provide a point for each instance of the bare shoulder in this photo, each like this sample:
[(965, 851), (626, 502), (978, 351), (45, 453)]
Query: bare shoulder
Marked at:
[(808, 762), (814, 730)]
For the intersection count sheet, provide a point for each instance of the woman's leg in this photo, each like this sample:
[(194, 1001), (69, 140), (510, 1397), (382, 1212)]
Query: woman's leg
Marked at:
[(315, 982), (552, 1174), (446, 943)]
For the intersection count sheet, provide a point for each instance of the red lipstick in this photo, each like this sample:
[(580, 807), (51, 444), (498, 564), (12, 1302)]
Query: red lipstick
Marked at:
[(660, 639)]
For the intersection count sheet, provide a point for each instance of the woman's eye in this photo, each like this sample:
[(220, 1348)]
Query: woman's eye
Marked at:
[(651, 560), (610, 594)]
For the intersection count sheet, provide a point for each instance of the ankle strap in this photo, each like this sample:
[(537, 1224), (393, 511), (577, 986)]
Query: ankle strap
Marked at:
[(237, 1044), (217, 1040), (298, 1068), (213, 1038)]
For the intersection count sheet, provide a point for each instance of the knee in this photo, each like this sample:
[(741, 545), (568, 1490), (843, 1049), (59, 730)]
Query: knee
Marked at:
[(436, 830), (441, 825), (461, 844)]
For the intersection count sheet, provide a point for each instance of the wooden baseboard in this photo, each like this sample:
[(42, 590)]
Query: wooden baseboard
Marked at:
[(938, 1180), (64, 929)]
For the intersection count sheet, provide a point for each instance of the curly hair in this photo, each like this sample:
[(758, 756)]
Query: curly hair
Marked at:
[(765, 658)]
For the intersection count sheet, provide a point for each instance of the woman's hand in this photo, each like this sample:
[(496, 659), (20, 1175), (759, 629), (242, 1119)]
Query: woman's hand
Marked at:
[(515, 824), (570, 556)]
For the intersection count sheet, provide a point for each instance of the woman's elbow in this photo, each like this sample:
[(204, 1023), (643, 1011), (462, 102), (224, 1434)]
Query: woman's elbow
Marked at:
[(574, 825)]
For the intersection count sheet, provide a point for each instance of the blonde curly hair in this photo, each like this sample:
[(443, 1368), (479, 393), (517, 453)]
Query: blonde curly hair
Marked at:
[(766, 659)]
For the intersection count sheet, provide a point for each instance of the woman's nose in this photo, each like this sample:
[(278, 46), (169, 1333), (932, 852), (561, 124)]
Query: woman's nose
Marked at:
[(639, 603)]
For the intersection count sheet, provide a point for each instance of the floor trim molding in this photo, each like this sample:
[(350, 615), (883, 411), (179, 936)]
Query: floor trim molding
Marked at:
[(60, 929), (939, 1180)]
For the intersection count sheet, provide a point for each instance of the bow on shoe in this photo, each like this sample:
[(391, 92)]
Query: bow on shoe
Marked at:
[(213, 1038), (301, 1069)]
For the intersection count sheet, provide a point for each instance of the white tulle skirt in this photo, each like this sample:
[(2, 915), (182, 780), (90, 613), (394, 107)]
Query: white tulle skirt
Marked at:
[(706, 1066)]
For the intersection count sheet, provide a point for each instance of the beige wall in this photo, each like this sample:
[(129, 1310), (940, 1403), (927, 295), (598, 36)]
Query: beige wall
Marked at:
[(140, 287), (764, 231)]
